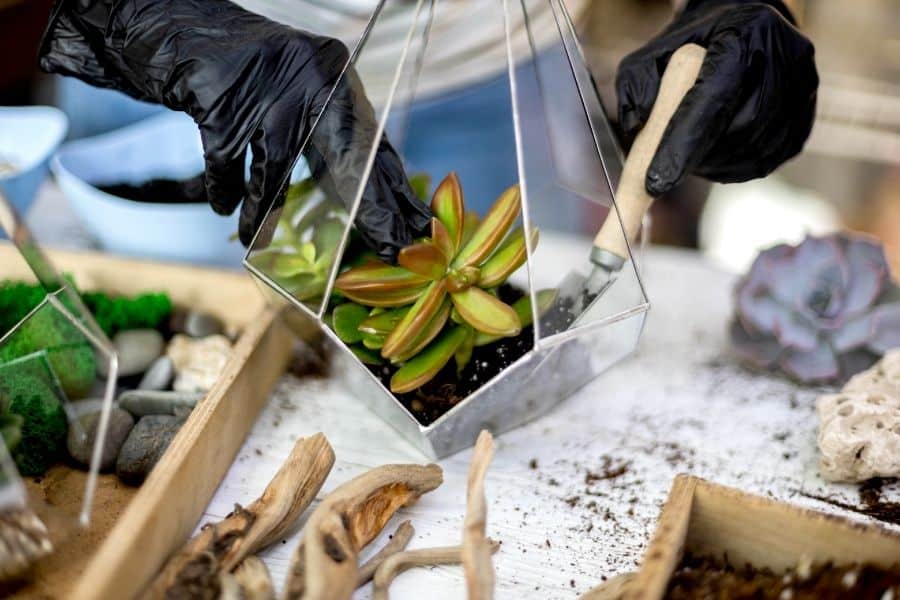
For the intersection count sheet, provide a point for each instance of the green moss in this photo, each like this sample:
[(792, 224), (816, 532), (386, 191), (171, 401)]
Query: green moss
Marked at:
[(69, 352), (44, 425), (113, 314), (17, 299)]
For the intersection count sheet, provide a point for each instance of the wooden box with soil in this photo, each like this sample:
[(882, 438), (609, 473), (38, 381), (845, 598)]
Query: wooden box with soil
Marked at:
[(714, 541), (134, 529)]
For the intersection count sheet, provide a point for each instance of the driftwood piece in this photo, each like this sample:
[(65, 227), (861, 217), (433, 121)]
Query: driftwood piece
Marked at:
[(398, 542), (254, 579), (23, 541), (325, 564), (424, 557), (476, 551), (194, 571), (611, 590)]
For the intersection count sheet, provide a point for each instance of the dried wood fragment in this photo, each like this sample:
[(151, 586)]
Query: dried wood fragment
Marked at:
[(345, 522), (476, 552), (611, 590), (425, 557), (194, 570), (397, 543), (254, 579), (23, 541)]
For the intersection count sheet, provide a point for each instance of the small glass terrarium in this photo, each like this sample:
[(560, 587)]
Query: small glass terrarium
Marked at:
[(491, 317)]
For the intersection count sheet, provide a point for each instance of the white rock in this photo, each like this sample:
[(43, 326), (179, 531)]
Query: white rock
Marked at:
[(198, 362), (859, 428)]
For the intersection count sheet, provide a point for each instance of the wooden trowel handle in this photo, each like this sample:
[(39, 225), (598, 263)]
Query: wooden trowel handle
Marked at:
[(632, 199)]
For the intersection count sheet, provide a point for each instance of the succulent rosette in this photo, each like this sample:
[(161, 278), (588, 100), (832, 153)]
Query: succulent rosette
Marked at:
[(819, 311)]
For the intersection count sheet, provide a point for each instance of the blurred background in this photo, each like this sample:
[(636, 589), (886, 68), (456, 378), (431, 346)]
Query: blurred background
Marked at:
[(848, 175)]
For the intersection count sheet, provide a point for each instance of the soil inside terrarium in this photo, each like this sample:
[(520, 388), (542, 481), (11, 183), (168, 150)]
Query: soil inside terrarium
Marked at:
[(161, 191), (705, 577), (448, 389)]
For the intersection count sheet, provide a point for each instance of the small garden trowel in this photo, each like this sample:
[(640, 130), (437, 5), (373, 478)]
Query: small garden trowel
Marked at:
[(610, 250)]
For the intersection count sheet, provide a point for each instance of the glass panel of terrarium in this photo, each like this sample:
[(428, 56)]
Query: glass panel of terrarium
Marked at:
[(299, 247), (568, 161), (50, 364), (83, 358)]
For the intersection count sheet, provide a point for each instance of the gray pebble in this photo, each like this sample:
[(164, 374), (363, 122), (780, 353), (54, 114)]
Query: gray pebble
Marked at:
[(137, 349), (81, 439), (196, 324), (145, 445), (159, 376), (153, 402)]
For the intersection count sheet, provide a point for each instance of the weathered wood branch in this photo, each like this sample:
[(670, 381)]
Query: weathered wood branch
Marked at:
[(345, 522), (397, 543), (425, 557), (254, 580), (194, 570), (476, 551)]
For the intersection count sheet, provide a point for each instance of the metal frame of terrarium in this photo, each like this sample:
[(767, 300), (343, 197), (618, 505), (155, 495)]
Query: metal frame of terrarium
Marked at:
[(536, 382), (61, 298)]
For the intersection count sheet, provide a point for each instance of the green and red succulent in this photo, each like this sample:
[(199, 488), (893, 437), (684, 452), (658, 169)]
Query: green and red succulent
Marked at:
[(440, 300)]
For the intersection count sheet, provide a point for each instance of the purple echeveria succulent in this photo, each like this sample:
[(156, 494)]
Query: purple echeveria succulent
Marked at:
[(820, 311)]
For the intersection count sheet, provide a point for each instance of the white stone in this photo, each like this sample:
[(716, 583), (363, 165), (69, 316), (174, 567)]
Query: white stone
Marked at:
[(859, 428), (198, 362)]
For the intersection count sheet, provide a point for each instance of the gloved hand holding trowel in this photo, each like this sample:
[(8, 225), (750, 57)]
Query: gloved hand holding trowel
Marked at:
[(726, 91)]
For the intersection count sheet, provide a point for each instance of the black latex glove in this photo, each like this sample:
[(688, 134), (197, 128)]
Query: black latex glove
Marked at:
[(246, 81), (752, 107)]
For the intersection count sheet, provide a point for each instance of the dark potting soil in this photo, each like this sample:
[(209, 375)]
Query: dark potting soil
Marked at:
[(447, 389), (161, 191), (705, 577)]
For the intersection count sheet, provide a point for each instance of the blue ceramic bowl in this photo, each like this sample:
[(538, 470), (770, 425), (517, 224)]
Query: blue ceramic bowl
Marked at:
[(165, 146), (28, 137)]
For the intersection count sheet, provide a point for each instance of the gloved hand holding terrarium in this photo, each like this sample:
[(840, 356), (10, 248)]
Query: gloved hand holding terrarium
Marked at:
[(752, 107), (247, 82)]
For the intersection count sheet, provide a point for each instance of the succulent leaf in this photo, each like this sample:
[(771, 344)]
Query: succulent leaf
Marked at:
[(326, 238), (420, 183), (522, 306), (486, 313), (471, 221), (346, 321), (491, 231), (447, 206), (509, 256), (378, 284), (429, 362), (441, 238), (403, 337), (464, 352), (373, 341), (369, 357), (423, 259), (382, 323), (428, 333), (288, 265)]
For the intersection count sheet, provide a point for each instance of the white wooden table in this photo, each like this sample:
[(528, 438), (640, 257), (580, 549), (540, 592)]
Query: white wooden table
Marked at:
[(680, 404)]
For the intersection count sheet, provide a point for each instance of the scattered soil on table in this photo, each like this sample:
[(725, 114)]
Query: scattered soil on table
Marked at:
[(161, 191), (872, 502), (704, 577), (448, 389), (56, 498)]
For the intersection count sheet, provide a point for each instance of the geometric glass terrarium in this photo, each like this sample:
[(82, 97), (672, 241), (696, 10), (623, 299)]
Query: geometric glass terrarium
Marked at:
[(428, 345), (51, 361)]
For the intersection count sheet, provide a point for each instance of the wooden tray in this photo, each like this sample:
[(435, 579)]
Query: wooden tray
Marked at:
[(708, 519), (116, 557)]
